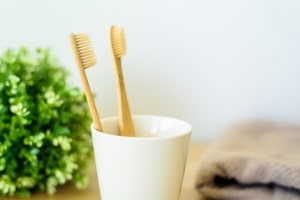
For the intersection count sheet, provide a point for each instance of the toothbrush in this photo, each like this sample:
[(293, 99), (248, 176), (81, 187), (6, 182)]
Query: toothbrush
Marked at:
[(118, 47), (85, 58)]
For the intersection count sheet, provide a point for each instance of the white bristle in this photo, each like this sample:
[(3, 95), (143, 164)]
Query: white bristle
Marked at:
[(118, 41), (85, 50)]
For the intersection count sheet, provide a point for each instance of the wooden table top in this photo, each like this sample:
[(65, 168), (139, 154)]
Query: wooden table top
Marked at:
[(69, 192)]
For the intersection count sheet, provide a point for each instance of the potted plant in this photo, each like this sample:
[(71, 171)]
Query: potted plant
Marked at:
[(44, 125)]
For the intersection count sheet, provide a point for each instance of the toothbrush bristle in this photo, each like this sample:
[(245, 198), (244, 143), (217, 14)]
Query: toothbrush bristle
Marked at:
[(84, 49), (118, 41)]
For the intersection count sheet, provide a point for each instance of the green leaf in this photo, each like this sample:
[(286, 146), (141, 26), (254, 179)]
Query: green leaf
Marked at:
[(45, 138)]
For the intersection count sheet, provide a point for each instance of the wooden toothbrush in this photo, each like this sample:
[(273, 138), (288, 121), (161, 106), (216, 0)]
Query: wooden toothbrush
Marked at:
[(118, 47), (85, 58)]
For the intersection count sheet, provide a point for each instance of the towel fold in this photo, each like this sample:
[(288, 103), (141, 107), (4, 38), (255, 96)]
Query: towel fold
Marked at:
[(256, 160)]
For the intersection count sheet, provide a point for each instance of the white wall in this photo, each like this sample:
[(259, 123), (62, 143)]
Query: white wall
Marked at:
[(211, 62)]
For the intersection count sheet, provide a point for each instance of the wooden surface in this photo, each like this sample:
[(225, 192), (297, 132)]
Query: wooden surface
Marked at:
[(68, 192)]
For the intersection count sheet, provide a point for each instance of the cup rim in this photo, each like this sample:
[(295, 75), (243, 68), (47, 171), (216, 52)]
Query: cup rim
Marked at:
[(188, 130)]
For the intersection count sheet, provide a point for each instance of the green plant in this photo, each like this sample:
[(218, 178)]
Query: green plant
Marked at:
[(44, 125)]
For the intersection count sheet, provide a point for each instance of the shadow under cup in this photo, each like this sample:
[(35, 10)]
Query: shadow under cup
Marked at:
[(149, 166)]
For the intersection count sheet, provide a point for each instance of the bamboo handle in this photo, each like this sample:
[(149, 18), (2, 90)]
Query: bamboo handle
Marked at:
[(126, 124), (90, 100)]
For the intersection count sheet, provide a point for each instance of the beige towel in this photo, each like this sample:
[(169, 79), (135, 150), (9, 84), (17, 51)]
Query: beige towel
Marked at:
[(252, 161)]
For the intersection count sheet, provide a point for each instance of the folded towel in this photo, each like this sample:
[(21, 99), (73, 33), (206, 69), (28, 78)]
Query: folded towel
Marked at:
[(252, 161)]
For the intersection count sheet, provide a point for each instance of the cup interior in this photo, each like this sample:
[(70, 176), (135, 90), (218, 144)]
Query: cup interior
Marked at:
[(149, 126)]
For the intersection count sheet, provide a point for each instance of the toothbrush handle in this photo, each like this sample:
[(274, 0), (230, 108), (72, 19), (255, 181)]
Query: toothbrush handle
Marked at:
[(126, 123), (91, 102)]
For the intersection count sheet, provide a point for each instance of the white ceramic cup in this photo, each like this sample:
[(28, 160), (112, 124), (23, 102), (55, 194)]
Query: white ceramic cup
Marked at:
[(149, 166)]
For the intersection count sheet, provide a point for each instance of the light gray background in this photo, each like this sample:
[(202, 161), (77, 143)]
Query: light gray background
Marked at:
[(212, 62)]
